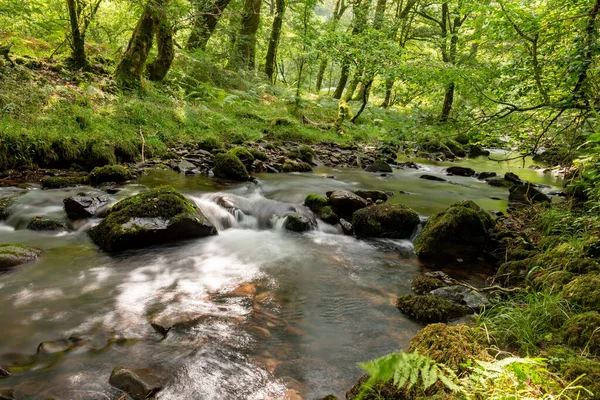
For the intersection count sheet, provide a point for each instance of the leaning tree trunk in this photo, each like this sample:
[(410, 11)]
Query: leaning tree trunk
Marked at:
[(448, 101), (344, 74), (321, 73), (129, 71), (274, 40), (205, 24), (157, 69), (353, 85), (243, 55), (78, 58)]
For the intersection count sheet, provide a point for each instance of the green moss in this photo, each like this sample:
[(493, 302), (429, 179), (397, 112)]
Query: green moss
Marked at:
[(259, 155), (584, 290), (12, 255), (385, 220), (228, 166), (45, 224), (210, 143), (455, 346), (303, 153), (455, 147), (109, 173), (582, 331), (297, 223), (427, 308), (5, 205), (60, 182), (293, 166), (315, 202), (244, 155), (423, 284), (328, 215), (587, 373), (100, 154), (460, 231)]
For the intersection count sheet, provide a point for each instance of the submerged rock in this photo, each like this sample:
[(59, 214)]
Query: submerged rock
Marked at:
[(428, 308), (228, 166), (486, 175), (461, 171), (45, 224), (61, 182), (499, 182), (513, 178), (140, 384), (379, 166), (12, 255), (345, 203), (156, 216), (297, 223), (109, 174), (459, 232), (476, 151), (81, 207), (374, 195), (385, 220), (5, 207), (7, 394), (428, 177), (526, 193)]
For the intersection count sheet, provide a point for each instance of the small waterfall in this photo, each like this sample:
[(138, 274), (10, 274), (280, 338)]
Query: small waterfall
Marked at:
[(216, 214)]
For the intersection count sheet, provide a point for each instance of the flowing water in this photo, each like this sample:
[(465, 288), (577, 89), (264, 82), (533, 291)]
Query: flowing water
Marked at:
[(256, 312)]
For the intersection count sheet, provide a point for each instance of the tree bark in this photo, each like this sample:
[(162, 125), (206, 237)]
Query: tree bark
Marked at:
[(448, 101), (205, 23), (339, 90), (340, 8), (157, 69), (243, 55), (274, 40), (320, 74), (78, 57), (128, 73)]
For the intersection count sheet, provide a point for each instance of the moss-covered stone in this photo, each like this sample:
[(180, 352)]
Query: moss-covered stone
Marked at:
[(61, 182), (155, 216), (527, 193), (228, 166), (582, 331), (456, 148), (328, 215), (297, 223), (423, 284), (584, 290), (455, 346), (45, 224), (429, 309), (499, 182), (293, 166), (385, 220), (374, 195), (303, 153), (244, 155), (460, 231), (209, 143), (12, 255), (315, 202), (437, 147), (259, 155), (5, 205), (109, 173), (587, 373)]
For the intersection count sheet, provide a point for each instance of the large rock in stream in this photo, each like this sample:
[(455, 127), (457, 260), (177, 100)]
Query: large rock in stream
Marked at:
[(385, 221), (345, 203), (13, 255), (156, 216), (459, 232), (81, 207), (139, 383)]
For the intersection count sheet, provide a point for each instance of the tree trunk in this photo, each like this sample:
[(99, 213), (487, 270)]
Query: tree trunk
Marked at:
[(352, 86), (339, 90), (274, 40), (365, 100), (448, 100), (205, 23), (157, 69), (129, 71), (78, 58), (320, 74), (389, 85), (243, 55)]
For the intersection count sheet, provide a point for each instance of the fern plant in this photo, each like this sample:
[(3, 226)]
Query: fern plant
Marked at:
[(407, 370)]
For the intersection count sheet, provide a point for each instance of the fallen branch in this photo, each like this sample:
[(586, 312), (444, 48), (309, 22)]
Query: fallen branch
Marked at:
[(307, 121)]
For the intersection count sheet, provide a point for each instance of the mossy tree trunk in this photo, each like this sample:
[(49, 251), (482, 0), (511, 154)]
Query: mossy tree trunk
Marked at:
[(205, 22), (128, 73), (158, 68), (340, 8), (274, 39), (243, 55), (344, 74), (78, 57)]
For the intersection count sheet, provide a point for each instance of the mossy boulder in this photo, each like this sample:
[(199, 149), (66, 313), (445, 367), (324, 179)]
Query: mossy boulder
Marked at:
[(109, 174), (302, 153), (5, 204), (456, 148), (499, 182), (155, 216), (424, 284), (385, 220), (13, 255), (379, 166), (209, 144), (328, 215), (297, 223), (295, 166), (461, 231), (81, 207), (460, 171), (259, 154), (228, 166), (582, 331), (428, 309), (61, 182), (374, 195), (244, 155), (527, 193), (455, 346), (345, 203), (584, 290), (45, 224), (315, 202)]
